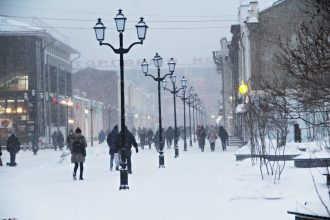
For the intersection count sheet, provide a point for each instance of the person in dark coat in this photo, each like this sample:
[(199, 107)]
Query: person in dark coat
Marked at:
[(0, 151), (78, 153), (224, 137), (201, 138), (54, 139), (13, 146), (297, 133), (143, 137), (125, 149), (156, 139), (113, 150), (169, 135), (60, 140), (69, 139), (150, 136), (101, 136)]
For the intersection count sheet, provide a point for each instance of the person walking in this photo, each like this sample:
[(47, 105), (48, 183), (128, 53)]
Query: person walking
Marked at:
[(212, 137), (69, 139), (0, 151), (54, 139), (113, 149), (13, 146), (169, 135), (60, 140), (201, 138), (150, 135), (125, 149), (224, 137), (101, 136), (78, 153), (297, 133)]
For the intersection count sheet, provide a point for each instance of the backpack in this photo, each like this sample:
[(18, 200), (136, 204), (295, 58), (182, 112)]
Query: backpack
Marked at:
[(77, 145)]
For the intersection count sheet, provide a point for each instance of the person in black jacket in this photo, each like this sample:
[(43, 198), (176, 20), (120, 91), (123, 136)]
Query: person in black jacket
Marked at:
[(297, 133), (125, 149), (224, 137), (113, 150), (60, 140), (13, 146)]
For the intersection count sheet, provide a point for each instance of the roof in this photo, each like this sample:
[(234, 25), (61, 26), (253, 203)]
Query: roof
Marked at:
[(11, 27)]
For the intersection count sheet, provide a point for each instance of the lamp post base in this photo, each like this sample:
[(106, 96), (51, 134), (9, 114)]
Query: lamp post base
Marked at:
[(176, 152), (161, 160), (123, 179)]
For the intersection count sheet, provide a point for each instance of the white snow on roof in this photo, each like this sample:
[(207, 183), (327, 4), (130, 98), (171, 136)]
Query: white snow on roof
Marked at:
[(12, 26)]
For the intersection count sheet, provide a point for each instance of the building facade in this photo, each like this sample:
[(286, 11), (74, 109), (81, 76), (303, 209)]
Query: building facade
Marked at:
[(35, 76)]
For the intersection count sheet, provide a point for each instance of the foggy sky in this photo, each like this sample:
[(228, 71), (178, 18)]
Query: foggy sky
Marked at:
[(183, 44)]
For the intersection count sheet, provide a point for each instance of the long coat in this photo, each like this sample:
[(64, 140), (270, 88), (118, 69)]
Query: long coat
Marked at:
[(13, 144), (78, 157), (212, 136)]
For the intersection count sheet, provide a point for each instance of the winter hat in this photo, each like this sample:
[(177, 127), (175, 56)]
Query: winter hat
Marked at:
[(78, 130), (115, 127)]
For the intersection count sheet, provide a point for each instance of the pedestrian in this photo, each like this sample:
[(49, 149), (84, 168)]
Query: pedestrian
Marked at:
[(212, 137), (150, 135), (143, 137), (224, 137), (125, 149), (113, 149), (78, 153), (69, 139), (201, 138), (54, 139), (297, 133), (60, 140), (169, 135), (13, 146), (101, 136)]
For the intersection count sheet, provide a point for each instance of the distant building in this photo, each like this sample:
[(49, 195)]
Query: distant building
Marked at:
[(35, 77)]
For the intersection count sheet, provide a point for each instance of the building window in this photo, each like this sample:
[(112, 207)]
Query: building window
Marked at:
[(16, 83)]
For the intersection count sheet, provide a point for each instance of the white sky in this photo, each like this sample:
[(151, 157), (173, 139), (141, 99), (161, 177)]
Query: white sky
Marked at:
[(182, 44)]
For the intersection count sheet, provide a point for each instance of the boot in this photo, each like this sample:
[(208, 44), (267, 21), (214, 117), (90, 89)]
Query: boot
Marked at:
[(74, 176)]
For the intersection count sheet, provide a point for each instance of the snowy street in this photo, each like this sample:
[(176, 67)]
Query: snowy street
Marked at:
[(209, 185)]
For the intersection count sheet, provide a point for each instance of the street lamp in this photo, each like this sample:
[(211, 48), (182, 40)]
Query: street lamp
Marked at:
[(68, 104), (36, 99), (158, 60), (91, 108), (174, 91), (184, 99), (189, 101), (141, 28)]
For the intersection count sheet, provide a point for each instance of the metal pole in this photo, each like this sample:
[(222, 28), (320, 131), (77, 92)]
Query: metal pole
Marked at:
[(91, 110), (161, 150), (184, 121), (123, 162), (67, 119), (189, 104), (175, 126), (194, 122)]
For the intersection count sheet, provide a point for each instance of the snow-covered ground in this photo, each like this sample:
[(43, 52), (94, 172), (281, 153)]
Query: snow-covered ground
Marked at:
[(195, 186)]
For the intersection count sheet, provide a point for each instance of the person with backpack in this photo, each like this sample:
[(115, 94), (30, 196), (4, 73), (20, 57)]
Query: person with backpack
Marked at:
[(13, 146), (212, 137), (125, 149), (78, 153)]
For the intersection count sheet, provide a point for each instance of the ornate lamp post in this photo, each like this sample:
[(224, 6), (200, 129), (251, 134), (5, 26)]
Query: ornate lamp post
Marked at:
[(189, 101), (35, 100), (184, 98), (67, 104), (158, 60), (91, 108), (174, 91), (141, 28)]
